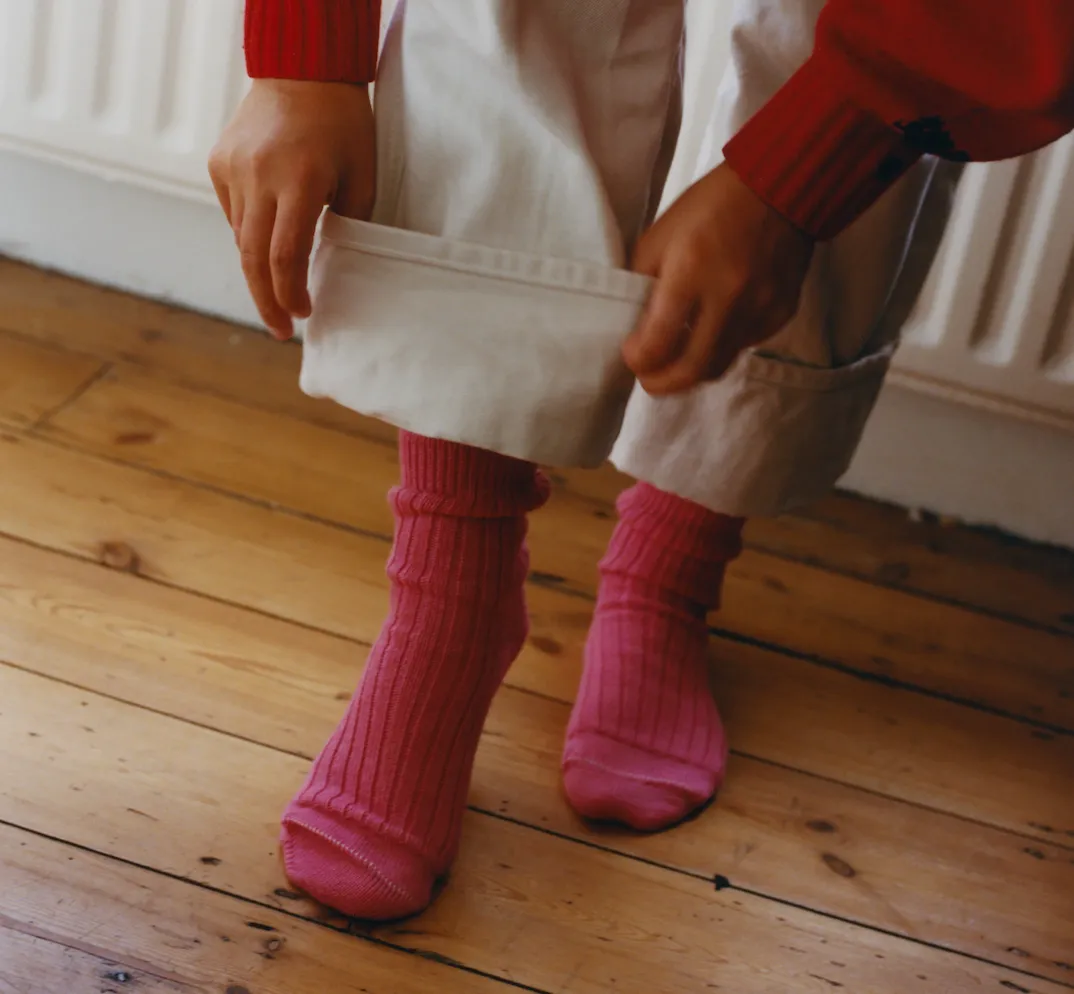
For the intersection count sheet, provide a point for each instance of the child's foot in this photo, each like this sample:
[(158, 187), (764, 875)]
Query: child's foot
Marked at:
[(378, 819), (645, 744)]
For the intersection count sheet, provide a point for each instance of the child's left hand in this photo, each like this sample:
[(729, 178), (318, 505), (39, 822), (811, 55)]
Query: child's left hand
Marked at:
[(729, 272)]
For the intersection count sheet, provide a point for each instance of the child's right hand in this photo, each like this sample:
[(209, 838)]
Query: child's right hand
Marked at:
[(291, 148)]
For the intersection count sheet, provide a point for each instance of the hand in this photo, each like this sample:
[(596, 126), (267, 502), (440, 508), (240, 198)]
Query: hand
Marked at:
[(292, 147), (729, 272)]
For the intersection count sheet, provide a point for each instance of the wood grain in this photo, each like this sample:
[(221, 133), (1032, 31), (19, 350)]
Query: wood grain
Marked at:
[(197, 464), (803, 839), (842, 533), (36, 380), (524, 905), (979, 568), (216, 355), (316, 575), (344, 479), (30, 964), (887, 545), (198, 939)]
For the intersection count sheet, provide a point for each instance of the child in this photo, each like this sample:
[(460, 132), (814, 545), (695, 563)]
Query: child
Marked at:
[(519, 151)]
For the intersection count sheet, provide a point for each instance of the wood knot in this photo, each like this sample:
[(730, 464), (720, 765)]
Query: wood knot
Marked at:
[(119, 555), (273, 946), (135, 438), (838, 866), (549, 647), (820, 825)]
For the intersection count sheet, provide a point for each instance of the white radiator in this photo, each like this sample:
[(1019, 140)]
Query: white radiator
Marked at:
[(133, 90), (137, 90), (995, 325)]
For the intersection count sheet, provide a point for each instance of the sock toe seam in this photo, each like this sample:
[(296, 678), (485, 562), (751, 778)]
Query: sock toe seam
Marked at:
[(354, 854), (658, 753), (655, 781)]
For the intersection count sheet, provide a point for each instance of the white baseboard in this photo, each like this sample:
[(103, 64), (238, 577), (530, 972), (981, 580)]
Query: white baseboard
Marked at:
[(167, 247), (975, 465), (919, 451)]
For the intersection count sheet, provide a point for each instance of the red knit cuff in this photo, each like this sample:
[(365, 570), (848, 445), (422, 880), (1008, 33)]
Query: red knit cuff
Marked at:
[(815, 156), (325, 40)]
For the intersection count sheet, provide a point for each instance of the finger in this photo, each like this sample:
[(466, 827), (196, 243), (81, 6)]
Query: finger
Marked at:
[(354, 196), (289, 257), (649, 252), (238, 213), (729, 346), (255, 240), (223, 194), (663, 333), (705, 349)]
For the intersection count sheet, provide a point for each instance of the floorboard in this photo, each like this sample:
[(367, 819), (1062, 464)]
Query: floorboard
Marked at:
[(155, 925), (853, 853), (341, 479), (303, 570), (30, 964), (35, 381), (191, 574), (843, 533), (525, 906)]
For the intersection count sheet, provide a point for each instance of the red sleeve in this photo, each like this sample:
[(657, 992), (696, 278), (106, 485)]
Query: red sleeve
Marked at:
[(328, 40), (891, 80)]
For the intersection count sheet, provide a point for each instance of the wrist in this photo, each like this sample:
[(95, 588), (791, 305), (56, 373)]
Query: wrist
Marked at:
[(315, 99), (281, 85)]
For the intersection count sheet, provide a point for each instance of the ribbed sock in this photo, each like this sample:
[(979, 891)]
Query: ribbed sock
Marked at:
[(645, 744), (378, 820)]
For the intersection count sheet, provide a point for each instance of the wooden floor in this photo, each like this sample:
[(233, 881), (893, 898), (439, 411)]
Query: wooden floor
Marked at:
[(191, 572)]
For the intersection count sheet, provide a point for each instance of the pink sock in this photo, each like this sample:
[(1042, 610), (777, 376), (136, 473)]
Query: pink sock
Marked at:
[(378, 819), (645, 745)]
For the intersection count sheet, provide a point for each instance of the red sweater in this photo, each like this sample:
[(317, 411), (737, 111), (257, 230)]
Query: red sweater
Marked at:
[(889, 81)]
